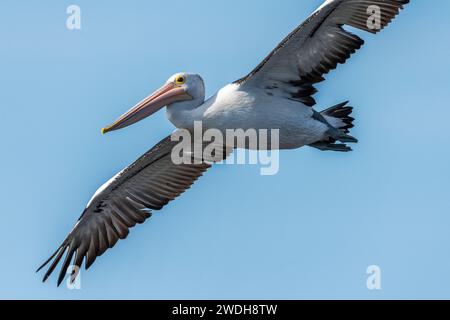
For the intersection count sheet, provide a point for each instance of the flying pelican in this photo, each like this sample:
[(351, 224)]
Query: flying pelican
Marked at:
[(277, 94)]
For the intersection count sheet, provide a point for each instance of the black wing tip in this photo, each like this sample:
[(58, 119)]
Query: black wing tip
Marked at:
[(66, 264), (40, 268), (59, 282), (48, 260), (57, 257)]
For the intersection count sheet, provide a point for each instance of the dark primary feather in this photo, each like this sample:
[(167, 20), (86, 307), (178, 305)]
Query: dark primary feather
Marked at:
[(316, 47), (150, 183), (343, 112)]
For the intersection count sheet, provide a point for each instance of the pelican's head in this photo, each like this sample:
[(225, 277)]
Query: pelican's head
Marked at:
[(181, 88)]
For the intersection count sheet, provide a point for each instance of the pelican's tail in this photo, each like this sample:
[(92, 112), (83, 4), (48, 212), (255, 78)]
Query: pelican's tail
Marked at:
[(341, 121)]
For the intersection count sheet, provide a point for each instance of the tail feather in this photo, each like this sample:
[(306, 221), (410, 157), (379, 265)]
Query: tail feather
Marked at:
[(342, 112), (328, 146), (339, 117)]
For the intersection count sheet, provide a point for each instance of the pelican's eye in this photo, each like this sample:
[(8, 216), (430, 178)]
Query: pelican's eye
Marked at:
[(180, 80)]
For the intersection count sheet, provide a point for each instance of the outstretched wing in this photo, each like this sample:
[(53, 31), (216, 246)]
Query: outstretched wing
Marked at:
[(318, 46), (126, 200)]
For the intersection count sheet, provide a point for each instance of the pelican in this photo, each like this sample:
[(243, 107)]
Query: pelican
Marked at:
[(277, 94)]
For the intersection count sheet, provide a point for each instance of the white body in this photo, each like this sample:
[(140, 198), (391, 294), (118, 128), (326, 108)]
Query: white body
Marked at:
[(233, 108)]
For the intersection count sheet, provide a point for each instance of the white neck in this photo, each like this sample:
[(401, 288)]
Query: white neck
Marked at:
[(183, 114)]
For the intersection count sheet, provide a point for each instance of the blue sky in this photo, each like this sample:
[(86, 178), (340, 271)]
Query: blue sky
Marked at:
[(309, 232)]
